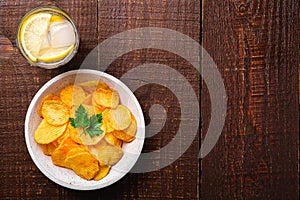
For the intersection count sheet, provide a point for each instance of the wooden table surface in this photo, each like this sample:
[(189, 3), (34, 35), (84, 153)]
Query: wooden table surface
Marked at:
[(255, 46)]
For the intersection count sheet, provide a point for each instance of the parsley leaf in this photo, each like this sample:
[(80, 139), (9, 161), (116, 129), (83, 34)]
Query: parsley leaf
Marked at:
[(81, 118), (72, 121), (81, 115), (99, 117), (90, 125), (94, 127)]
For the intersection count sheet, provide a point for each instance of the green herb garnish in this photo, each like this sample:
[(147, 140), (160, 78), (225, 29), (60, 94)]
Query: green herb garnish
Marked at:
[(90, 125)]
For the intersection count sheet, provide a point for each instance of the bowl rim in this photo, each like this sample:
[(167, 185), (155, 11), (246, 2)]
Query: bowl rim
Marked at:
[(36, 98)]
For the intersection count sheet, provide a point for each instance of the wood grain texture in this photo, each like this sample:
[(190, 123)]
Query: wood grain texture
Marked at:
[(6, 48), (255, 45), (179, 180), (96, 21)]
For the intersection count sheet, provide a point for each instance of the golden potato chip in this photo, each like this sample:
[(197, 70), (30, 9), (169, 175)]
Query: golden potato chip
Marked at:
[(103, 171), (74, 134), (47, 97), (109, 154), (76, 150), (46, 133), (89, 84), (55, 112), (51, 147), (98, 108), (72, 95), (87, 140), (90, 109), (89, 87), (106, 124), (62, 137), (93, 150), (102, 86), (83, 164), (119, 118), (60, 153), (45, 149), (128, 134), (112, 140), (105, 153), (123, 136), (106, 98), (88, 100)]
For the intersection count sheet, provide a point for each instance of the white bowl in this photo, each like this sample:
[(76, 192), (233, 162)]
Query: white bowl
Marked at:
[(66, 177)]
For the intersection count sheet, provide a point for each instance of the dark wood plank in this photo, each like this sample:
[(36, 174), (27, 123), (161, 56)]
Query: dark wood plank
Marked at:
[(255, 45), (179, 180), (20, 178), (96, 21)]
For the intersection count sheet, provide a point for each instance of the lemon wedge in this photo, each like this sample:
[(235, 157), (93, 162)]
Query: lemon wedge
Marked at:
[(57, 18), (32, 34), (53, 54)]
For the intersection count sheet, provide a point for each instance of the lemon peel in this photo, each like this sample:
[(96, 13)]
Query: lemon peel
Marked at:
[(53, 54)]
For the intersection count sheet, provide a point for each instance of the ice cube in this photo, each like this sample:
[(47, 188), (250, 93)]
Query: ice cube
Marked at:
[(61, 34)]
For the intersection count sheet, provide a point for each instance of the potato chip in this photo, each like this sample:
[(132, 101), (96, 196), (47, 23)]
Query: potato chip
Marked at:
[(128, 134), (107, 98), (98, 108), (106, 121), (83, 164), (74, 134), (93, 149), (88, 100), (119, 118), (76, 150), (45, 149), (52, 146), (89, 108), (103, 171), (55, 112), (89, 87), (60, 153), (102, 86), (47, 97), (87, 140), (62, 137), (109, 154), (72, 95), (106, 126), (89, 84), (123, 136), (46, 133), (112, 140)]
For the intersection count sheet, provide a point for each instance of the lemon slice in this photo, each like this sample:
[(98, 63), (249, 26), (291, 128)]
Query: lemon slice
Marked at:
[(53, 54), (33, 31)]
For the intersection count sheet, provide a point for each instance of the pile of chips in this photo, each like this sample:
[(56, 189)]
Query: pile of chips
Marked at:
[(90, 157)]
